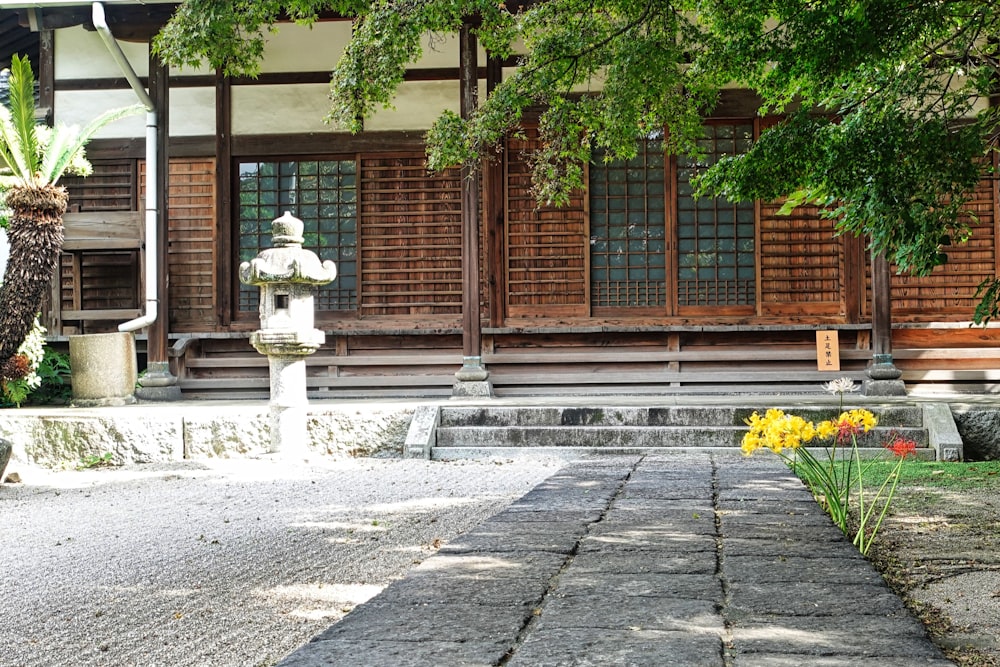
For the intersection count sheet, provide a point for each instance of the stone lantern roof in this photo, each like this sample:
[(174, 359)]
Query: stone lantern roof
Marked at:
[(287, 261)]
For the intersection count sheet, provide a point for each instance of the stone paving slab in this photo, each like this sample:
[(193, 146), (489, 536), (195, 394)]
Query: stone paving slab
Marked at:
[(859, 635), (687, 560), (633, 647)]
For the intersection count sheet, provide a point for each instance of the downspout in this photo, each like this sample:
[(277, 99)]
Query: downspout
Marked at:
[(152, 298)]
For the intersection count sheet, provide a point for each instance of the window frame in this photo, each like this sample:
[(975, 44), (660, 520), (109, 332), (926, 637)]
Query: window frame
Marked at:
[(321, 316)]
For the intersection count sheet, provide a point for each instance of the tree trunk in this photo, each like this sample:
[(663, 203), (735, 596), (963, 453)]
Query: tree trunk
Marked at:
[(35, 235)]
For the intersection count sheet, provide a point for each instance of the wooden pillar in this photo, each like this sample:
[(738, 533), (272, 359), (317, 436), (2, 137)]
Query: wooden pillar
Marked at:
[(471, 379), (883, 373), (225, 271), (52, 311), (493, 213), (881, 305), (159, 383), (46, 75)]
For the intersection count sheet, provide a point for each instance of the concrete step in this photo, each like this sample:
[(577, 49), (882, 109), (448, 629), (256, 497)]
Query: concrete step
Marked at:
[(483, 430), (651, 416), (622, 436)]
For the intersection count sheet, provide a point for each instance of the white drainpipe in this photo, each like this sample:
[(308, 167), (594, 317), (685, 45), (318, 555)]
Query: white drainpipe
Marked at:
[(152, 298)]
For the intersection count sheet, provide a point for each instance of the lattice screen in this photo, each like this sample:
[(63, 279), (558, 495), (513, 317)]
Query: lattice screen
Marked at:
[(949, 292), (715, 237), (111, 187), (323, 194), (192, 242), (628, 230), (802, 262)]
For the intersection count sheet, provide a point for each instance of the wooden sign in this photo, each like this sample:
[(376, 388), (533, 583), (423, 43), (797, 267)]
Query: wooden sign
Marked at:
[(827, 351)]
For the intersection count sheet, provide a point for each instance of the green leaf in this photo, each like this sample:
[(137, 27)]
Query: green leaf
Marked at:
[(67, 142)]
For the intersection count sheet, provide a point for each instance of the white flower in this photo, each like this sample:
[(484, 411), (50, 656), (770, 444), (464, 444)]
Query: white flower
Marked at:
[(840, 386)]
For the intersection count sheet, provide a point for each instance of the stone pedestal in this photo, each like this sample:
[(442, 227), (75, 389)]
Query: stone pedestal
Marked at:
[(472, 380), (158, 384), (288, 408), (884, 378), (103, 369)]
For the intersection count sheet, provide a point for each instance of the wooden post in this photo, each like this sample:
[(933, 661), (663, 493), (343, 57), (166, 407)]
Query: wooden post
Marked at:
[(493, 213), (881, 305), (159, 383), (472, 377), (223, 198), (883, 373)]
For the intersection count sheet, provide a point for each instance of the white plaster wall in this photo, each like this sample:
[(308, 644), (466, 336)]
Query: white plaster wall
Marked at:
[(280, 109), (192, 111), (296, 48), (417, 105), (80, 54), (79, 107)]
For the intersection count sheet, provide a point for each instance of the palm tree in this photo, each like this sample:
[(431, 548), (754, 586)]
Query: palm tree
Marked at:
[(36, 156)]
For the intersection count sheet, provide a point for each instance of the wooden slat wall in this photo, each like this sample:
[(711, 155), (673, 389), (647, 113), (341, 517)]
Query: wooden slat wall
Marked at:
[(948, 294), (192, 235), (107, 280), (111, 187), (411, 238), (801, 263), (546, 248)]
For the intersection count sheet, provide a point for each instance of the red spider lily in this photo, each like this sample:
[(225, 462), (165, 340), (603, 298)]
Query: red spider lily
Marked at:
[(902, 447), (847, 430)]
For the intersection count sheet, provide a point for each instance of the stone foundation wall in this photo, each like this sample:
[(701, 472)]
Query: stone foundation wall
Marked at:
[(61, 437)]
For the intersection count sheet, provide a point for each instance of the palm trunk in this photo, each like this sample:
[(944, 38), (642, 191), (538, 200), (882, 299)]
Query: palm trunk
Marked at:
[(35, 235)]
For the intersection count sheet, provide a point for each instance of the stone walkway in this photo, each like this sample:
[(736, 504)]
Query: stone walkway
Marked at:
[(687, 560)]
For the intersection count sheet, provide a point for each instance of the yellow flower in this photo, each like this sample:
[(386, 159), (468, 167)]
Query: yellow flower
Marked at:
[(751, 443), (826, 429)]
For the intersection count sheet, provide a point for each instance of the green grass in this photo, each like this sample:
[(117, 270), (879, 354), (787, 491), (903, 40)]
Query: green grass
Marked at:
[(938, 474)]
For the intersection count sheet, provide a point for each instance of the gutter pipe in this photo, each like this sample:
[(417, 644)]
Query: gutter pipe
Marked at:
[(152, 297)]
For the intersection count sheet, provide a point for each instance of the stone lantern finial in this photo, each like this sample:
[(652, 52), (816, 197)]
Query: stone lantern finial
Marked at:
[(287, 231)]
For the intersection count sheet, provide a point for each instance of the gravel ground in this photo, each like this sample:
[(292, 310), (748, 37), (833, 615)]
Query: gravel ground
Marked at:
[(227, 563)]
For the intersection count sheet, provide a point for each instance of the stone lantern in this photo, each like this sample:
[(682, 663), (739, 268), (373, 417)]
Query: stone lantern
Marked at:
[(287, 276)]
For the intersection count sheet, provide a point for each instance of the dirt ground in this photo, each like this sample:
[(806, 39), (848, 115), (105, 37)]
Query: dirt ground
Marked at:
[(940, 550)]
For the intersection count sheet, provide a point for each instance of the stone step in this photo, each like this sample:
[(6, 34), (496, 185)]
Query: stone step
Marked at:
[(899, 416), (461, 431), (604, 437), (571, 453)]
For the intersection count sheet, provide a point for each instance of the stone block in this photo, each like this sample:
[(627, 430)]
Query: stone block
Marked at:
[(56, 441), (226, 433), (980, 432), (420, 437), (6, 449), (942, 432)]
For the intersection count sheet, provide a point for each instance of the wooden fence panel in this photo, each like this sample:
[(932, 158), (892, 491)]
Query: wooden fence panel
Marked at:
[(802, 263), (411, 238), (546, 247), (948, 293), (193, 245)]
